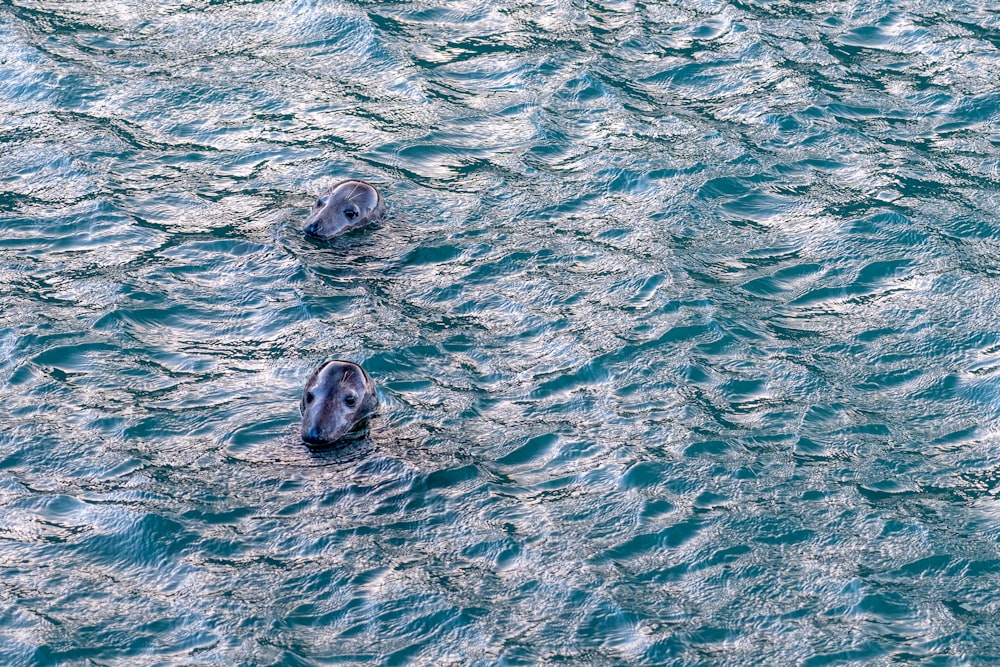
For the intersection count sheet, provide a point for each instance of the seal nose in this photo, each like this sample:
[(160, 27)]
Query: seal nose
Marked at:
[(310, 229), (313, 436)]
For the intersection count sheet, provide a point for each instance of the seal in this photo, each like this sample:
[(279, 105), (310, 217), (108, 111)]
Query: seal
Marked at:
[(337, 401), (345, 206)]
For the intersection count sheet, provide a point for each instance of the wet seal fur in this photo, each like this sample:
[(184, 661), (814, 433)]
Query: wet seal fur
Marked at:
[(337, 402), (346, 206)]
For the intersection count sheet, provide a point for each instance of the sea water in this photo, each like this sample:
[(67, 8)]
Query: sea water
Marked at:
[(684, 322)]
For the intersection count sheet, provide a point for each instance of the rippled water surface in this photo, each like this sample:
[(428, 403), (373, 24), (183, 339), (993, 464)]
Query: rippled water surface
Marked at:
[(684, 321)]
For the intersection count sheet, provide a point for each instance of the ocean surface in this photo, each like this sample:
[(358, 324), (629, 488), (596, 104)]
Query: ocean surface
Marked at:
[(684, 319)]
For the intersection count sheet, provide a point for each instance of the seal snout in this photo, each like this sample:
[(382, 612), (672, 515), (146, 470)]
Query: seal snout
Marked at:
[(312, 437), (311, 228), (315, 437)]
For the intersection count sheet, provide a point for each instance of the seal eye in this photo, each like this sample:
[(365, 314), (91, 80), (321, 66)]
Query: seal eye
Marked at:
[(351, 213), (309, 397), (350, 400)]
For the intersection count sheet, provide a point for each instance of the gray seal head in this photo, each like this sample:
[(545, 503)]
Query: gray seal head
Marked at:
[(345, 206), (337, 401)]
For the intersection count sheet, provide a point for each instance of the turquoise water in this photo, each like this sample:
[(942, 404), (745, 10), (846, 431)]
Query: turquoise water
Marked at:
[(684, 319)]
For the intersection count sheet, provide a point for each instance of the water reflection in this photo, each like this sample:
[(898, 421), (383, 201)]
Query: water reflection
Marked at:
[(680, 318)]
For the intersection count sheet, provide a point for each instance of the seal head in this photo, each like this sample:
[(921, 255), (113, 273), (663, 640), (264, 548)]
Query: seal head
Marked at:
[(338, 400), (345, 206)]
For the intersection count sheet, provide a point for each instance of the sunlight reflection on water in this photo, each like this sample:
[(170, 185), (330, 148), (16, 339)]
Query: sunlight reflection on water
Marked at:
[(682, 320)]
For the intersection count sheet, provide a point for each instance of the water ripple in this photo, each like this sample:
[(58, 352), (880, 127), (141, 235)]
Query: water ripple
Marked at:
[(682, 318)]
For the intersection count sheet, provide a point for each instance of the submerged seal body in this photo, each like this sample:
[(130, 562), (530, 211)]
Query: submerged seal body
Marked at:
[(338, 400), (345, 206)]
